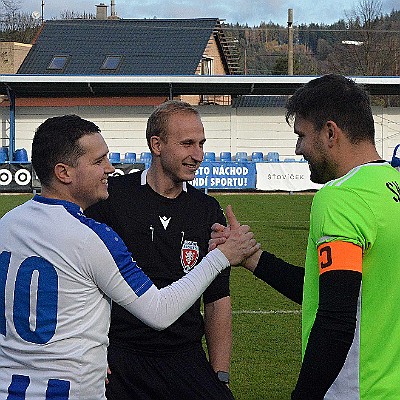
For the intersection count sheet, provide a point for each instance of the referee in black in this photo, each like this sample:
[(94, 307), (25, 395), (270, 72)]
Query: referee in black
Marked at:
[(166, 224)]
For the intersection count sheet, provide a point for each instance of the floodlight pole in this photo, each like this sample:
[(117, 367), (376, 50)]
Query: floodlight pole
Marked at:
[(290, 41)]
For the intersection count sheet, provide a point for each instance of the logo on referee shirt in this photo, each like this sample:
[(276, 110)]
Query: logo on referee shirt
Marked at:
[(189, 255)]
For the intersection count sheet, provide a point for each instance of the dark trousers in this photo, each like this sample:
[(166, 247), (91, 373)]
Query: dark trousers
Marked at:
[(186, 375)]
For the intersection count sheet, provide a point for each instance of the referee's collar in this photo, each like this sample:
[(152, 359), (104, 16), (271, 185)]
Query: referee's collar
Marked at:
[(143, 180)]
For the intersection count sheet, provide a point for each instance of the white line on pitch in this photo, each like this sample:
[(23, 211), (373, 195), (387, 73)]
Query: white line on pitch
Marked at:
[(293, 312)]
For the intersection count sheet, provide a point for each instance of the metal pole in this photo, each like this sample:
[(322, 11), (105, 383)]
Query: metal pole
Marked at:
[(290, 41), (11, 145), (42, 17), (245, 60)]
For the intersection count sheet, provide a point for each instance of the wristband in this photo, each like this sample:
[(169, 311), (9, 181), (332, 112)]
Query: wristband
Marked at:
[(223, 377)]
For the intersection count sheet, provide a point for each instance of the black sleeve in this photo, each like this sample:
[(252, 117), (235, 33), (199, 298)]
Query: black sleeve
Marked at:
[(286, 278), (331, 335)]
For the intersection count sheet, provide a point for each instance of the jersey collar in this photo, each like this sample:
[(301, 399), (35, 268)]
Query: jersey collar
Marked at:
[(143, 180), (57, 202)]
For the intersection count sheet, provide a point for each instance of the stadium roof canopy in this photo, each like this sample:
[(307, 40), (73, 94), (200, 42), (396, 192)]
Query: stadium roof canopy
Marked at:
[(34, 86), (145, 85)]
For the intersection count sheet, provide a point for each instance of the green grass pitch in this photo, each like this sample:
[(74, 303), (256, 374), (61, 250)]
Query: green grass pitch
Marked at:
[(266, 353)]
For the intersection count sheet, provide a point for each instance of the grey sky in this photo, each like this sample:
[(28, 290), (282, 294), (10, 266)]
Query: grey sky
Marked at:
[(251, 12)]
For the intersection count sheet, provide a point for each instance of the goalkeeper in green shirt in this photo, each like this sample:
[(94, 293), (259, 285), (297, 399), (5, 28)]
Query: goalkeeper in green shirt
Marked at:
[(350, 286)]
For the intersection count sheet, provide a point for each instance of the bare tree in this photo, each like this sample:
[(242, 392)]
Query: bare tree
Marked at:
[(15, 25), (67, 14), (366, 26)]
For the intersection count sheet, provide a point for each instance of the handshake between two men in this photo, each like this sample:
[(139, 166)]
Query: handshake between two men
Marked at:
[(236, 241)]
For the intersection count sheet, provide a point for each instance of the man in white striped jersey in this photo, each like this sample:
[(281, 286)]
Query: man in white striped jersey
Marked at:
[(59, 270)]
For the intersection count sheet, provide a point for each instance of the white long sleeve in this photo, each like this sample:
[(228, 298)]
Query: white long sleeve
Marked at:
[(159, 308)]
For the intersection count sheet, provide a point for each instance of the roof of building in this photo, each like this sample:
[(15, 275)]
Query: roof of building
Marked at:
[(137, 46)]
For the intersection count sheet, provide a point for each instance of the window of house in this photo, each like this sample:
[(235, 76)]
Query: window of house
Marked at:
[(111, 62), (207, 66), (58, 63)]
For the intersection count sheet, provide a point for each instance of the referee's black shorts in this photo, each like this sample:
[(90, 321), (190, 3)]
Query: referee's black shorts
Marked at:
[(186, 375)]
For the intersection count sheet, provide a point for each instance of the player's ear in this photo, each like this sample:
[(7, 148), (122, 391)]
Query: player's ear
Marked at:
[(155, 145), (331, 131), (62, 172)]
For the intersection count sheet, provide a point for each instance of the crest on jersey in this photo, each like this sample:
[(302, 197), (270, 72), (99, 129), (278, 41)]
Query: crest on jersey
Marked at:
[(189, 255)]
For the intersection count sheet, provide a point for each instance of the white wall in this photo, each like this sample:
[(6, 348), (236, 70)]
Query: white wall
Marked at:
[(227, 129)]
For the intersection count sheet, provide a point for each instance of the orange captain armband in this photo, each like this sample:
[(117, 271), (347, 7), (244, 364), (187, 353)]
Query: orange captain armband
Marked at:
[(339, 256)]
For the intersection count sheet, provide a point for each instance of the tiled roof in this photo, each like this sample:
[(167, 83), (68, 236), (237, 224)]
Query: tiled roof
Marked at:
[(259, 101), (147, 46)]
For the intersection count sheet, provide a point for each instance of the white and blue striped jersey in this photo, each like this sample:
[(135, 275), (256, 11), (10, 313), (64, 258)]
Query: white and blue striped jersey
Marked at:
[(58, 270)]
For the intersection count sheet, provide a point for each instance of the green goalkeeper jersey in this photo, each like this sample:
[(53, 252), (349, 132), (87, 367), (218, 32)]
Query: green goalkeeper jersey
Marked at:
[(362, 207)]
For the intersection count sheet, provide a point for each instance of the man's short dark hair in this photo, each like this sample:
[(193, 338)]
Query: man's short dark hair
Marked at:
[(335, 98), (56, 141), (157, 123)]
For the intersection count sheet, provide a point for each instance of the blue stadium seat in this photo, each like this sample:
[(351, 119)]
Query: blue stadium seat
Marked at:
[(225, 156), (289, 160), (257, 156), (130, 158), (209, 156), (145, 157), (3, 154), (115, 158), (241, 156), (396, 157), (273, 156), (21, 156)]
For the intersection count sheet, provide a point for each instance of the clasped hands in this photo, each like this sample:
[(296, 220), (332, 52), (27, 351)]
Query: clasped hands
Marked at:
[(236, 241)]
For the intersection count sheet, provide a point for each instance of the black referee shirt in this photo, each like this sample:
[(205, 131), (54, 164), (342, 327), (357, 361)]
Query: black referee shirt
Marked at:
[(166, 237)]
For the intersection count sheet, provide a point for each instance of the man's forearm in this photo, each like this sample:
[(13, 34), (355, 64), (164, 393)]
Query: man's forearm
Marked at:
[(286, 278), (218, 331), (331, 335)]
